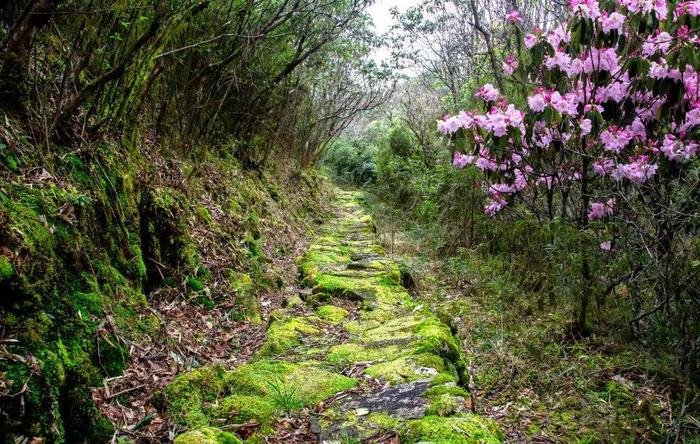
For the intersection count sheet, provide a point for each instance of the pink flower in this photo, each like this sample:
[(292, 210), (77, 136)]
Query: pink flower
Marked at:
[(466, 119), (613, 21), (658, 70), (661, 9), (605, 167), (537, 103), (660, 42), (677, 150), (502, 188), (691, 8), (530, 40), (449, 125), (487, 92), (498, 124), (692, 118), (514, 17), (601, 209), (560, 59), (637, 171), (574, 68), (497, 203), (564, 104), (514, 116), (615, 139), (510, 64), (637, 129), (460, 160), (558, 35), (606, 246), (586, 126), (587, 8)]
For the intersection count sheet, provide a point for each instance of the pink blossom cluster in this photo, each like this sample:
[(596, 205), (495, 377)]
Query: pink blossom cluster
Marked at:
[(627, 145), (566, 104), (678, 149), (600, 210), (488, 92), (514, 17), (510, 64), (646, 6)]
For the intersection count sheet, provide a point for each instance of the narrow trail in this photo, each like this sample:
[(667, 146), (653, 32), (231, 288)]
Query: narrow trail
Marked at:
[(353, 353)]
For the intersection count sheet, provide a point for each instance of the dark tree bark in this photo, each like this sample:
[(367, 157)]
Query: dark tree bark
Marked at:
[(15, 52)]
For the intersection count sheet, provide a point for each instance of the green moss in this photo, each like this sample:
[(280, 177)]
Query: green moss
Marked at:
[(11, 163), (348, 353), (452, 430), (446, 389), (445, 405), (207, 435), (243, 287), (332, 314), (88, 303), (383, 421), (293, 301), (6, 269), (194, 284), (408, 368), (251, 392), (203, 215), (285, 334), (165, 233), (186, 396), (243, 408), (437, 338)]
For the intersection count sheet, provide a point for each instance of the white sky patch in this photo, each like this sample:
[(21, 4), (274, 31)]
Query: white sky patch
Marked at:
[(383, 21)]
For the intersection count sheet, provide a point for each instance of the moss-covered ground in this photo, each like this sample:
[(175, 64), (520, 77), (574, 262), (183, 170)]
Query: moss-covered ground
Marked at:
[(357, 331), (94, 242)]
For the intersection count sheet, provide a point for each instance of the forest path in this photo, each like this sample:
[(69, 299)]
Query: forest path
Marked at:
[(354, 353)]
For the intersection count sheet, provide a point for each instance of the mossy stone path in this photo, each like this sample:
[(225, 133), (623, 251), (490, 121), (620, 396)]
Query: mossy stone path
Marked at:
[(355, 339)]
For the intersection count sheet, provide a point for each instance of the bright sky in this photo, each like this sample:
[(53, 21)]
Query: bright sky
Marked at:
[(381, 16)]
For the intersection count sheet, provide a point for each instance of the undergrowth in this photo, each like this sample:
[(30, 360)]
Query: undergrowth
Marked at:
[(529, 372)]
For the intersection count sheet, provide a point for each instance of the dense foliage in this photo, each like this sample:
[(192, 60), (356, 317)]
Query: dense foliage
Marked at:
[(248, 75), (609, 147)]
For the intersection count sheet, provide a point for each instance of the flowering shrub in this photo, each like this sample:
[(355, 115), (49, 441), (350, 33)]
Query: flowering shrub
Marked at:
[(612, 104)]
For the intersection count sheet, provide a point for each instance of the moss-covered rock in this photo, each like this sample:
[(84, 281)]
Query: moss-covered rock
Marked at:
[(286, 333), (256, 392), (332, 314), (468, 429), (208, 435)]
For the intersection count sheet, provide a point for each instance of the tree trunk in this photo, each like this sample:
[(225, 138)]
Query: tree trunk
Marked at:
[(15, 52), (586, 278), (486, 34)]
